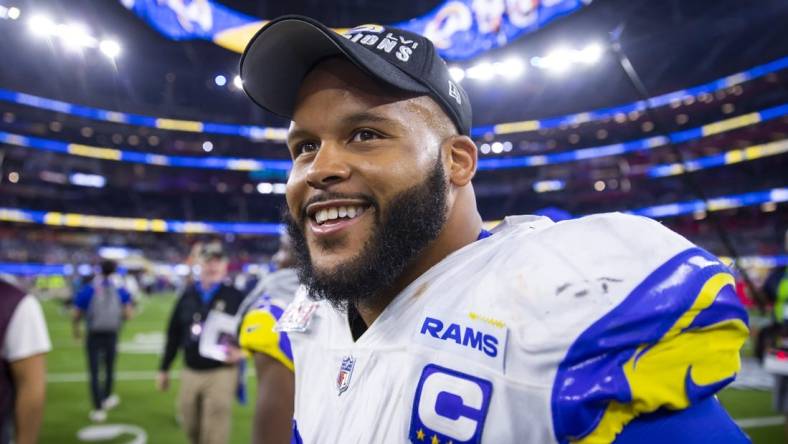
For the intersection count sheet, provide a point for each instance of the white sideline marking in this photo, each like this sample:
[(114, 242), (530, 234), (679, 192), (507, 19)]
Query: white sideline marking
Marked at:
[(54, 378), (119, 376), (108, 432), (766, 421)]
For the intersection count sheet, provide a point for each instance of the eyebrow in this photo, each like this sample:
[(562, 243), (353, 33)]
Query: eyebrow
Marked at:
[(367, 117), (296, 134), (356, 119)]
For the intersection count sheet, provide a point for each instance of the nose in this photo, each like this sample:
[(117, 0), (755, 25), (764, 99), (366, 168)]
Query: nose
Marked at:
[(329, 167)]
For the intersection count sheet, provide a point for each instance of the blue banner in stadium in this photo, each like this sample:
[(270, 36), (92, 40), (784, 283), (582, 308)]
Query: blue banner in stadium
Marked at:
[(460, 29)]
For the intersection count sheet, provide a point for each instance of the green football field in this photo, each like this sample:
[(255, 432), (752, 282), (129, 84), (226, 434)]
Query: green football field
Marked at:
[(144, 408)]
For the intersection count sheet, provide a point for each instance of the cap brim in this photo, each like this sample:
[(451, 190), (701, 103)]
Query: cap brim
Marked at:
[(283, 52), (207, 256)]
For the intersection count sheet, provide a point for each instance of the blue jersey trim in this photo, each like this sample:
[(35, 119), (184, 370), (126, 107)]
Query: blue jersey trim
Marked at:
[(296, 437), (706, 421)]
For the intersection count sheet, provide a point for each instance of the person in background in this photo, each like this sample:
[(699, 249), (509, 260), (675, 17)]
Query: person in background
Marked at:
[(273, 358), (207, 384), (25, 342), (776, 290), (104, 304)]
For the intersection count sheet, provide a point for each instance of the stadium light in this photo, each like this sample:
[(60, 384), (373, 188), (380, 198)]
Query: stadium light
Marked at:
[(88, 180), (110, 48), (510, 68), (544, 186), (457, 73), (220, 80), (280, 188), (41, 26), (557, 60), (590, 54), (207, 146), (11, 13), (483, 71), (75, 36), (265, 188), (237, 82)]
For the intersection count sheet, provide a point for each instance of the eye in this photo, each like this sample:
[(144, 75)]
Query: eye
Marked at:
[(363, 135), (305, 147)]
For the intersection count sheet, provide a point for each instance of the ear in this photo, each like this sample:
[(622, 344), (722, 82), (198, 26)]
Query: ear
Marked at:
[(463, 157)]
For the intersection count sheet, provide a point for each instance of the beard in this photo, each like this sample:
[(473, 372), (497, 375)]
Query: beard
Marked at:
[(414, 218)]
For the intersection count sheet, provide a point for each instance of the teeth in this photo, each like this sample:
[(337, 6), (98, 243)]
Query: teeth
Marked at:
[(327, 214)]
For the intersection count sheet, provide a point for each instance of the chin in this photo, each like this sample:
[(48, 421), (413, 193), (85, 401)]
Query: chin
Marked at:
[(329, 263)]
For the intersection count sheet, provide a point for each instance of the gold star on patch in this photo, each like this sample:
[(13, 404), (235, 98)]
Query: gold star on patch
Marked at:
[(435, 440), (420, 435)]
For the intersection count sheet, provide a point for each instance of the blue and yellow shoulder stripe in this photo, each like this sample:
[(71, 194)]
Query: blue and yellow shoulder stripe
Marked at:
[(257, 332), (671, 343)]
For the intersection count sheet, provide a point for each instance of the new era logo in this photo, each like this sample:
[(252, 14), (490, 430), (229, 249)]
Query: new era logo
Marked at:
[(455, 92), (377, 29)]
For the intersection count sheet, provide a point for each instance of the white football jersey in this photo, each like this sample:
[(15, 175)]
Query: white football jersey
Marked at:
[(543, 332)]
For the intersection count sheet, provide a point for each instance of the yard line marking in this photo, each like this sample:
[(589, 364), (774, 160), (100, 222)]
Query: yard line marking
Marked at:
[(766, 421)]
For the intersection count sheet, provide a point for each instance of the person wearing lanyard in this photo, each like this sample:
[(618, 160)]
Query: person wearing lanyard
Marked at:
[(207, 384)]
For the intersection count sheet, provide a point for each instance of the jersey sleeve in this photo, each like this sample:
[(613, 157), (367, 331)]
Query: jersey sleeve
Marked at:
[(27, 333), (125, 296), (83, 297), (706, 421), (257, 333), (670, 344)]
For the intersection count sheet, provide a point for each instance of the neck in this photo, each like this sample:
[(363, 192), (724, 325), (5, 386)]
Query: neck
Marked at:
[(208, 283), (462, 227)]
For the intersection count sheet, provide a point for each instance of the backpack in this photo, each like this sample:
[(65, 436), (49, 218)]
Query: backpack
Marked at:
[(105, 313)]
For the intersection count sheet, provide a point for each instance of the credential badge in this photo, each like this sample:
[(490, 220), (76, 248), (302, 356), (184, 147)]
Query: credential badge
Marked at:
[(220, 306)]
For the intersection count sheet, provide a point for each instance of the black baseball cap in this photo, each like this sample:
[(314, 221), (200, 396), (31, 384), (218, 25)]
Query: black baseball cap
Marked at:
[(281, 54), (212, 250)]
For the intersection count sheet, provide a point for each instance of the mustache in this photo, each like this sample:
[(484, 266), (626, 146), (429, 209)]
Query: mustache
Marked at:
[(330, 195)]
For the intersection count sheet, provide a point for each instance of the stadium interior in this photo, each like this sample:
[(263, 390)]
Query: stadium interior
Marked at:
[(117, 142)]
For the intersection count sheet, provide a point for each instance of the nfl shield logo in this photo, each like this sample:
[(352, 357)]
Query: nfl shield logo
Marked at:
[(297, 316), (345, 371)]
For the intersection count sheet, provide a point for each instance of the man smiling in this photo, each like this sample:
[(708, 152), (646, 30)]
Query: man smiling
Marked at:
[(416, 324)]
